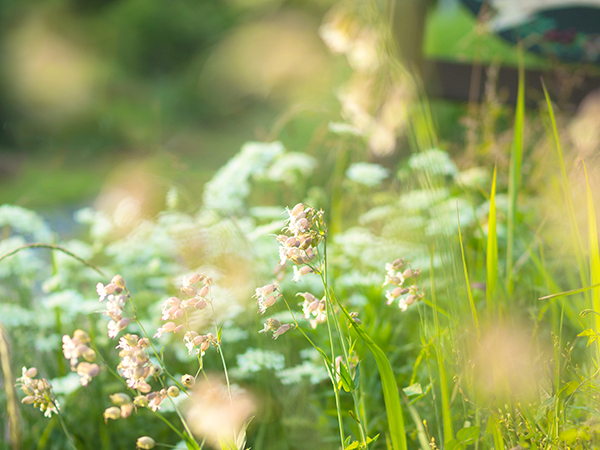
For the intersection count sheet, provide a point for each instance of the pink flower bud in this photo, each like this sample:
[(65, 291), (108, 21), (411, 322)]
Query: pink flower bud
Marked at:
[(204, 291)]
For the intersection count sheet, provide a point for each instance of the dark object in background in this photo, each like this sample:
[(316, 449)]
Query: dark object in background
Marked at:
[(561, 29)]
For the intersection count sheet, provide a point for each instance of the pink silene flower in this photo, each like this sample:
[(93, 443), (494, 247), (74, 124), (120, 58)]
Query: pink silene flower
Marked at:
[(114, 327), (103, 291), (266, 296)]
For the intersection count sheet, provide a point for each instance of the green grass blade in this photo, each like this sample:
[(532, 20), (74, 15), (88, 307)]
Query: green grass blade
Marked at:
[(391, 395), (594, 255), (571, 292), (514, 176), (470, 294), (492, 252), (576, 238), (446, 414)]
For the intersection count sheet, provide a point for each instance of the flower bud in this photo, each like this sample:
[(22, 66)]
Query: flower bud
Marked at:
[(145, 443), (28, 400), (89, 355), (141, 401), (189, 290), (112, 413), (31, 372), (178, 329), (194, 278), (188, 381), (168, 327), (407, 273), (173, 391), (81, 336), (119, 399), (126, 410), (204, 291), (200, 304), (144, 387), (297, 209), (173, 301), (178, 314), (119, 282)]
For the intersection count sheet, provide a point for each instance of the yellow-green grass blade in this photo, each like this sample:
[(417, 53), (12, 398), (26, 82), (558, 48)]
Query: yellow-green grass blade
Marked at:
[(594, 256), (388, 383), (492, 252), (514, 176), (469, 293), (446, 414), (576, 238)]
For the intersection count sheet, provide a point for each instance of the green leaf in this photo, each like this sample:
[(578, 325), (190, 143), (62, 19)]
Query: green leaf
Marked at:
[(454, 444), (352, 446), (467, 435), (345, 379), (388, 384), (413, 389)]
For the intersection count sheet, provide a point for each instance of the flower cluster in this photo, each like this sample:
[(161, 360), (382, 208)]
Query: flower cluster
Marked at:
[(135, 365), (276, 327), (198, 342), (398, 274), (121, 409), (306, 226), (174, 311), (266, 296), (113, 292), (37, 392), (313, 309), (74, 348)]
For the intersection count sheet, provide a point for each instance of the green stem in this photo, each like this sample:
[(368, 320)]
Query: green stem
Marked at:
[(53, 247)]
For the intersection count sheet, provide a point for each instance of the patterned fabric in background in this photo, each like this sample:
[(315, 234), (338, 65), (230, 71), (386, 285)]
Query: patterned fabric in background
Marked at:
[(565, 29)]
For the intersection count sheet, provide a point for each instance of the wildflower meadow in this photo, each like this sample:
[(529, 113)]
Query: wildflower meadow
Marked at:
[(393, 273)]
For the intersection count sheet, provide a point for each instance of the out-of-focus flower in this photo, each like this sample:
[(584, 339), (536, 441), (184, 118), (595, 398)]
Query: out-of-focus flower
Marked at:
[(396, 276), (73, 349), (37, 392), (276, 327), (266, 296), (211, 413), (145, 443)]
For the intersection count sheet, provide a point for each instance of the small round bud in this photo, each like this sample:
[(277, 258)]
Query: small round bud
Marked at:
[(145, 443), (118, 281), (112, 413), (155, 371), (173, 391), (144, 387), (178, 329), (188, 380), (126, 410), (31, 372), (141, 401), (81, 336), (407, 273)]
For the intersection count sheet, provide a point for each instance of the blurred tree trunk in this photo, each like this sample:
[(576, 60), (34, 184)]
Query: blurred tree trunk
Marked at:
[(409, 30)]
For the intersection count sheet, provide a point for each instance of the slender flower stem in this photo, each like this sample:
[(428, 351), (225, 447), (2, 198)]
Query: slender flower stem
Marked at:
[(53, 247), (64, 426), (324, 279)]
